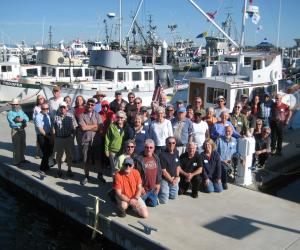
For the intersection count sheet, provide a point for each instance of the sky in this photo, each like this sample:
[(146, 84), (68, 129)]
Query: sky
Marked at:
[(30, 20)]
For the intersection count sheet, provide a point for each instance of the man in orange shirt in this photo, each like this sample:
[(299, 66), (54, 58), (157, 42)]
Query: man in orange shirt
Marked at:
[(128, 187)]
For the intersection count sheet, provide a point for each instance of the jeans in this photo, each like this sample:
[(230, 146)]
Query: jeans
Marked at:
[(213, 187), (150, 198), (167, 191)]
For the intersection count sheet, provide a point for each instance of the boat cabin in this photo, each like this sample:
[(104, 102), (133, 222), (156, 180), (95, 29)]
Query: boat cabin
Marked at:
[(258, 73)]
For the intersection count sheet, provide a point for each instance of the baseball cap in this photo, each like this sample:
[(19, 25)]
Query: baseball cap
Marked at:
[(244, 96), (181, 110), (144, 109), (128, 161), (63, 104), (118, 92), (221, 97)]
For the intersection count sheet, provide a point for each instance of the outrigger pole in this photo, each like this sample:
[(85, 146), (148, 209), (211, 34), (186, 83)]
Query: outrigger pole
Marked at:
[(214, 23), (134, 18)]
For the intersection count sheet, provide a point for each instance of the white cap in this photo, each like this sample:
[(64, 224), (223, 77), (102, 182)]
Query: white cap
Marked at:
[(63, 104)]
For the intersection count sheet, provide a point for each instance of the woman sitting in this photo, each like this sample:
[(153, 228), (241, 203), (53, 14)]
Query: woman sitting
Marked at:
[(211, 162)]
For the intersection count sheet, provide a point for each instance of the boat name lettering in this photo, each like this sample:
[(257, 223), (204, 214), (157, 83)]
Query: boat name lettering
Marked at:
[(15, 84)]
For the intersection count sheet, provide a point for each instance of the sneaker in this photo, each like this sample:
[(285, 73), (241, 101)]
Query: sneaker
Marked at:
[(100, 178), (273, 151), (122, 213), (59, 174), (70, 173), (84, 181), (195, 195), (225, 186)]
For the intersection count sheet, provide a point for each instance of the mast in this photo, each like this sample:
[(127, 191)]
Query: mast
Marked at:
[(135, 16), (242, 42), (279, 21), (120, 24), (50, 37)]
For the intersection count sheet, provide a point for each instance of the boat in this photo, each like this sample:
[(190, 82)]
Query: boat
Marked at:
[(10, 85), (117, 72)]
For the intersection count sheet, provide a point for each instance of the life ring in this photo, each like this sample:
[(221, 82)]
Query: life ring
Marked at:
[(274, 76)]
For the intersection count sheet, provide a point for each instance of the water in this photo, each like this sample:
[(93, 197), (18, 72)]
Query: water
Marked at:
[(26, 223)]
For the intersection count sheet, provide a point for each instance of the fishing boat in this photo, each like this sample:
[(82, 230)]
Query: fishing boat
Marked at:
[(117, 72)]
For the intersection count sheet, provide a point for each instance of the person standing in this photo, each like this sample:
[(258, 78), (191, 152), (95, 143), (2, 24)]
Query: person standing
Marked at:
[(160, 129), (42, 124), (169, 160), (182, 129), (91, 125), (99, 96), (17, 121), (55, 101), (280, 116), (201, 131), (265, 109), (198, 106), (118, 102), (221, 102), (63, 126)]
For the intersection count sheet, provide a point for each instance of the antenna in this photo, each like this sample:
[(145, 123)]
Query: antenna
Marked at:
[(50, 36)]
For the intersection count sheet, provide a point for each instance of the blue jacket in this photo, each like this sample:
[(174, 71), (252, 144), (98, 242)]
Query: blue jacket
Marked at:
[(211, 167)]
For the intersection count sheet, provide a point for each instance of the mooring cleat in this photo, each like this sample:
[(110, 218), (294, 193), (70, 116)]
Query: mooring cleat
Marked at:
[(147, 228), (42, 174)]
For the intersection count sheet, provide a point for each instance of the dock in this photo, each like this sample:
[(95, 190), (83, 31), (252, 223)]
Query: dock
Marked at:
[(238, 218)]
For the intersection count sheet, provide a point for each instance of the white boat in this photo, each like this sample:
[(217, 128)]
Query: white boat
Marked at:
[(115, 72), (10, 87)]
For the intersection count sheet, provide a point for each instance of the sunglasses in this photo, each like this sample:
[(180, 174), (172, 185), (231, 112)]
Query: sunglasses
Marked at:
[(137, 103), (130, 146), (238, 107), (170, 110), (149, 147), (45, 108), (90, 105), (62, 107), (171, 143), (127, 165)]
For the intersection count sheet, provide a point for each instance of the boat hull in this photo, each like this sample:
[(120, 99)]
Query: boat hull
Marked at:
[(23, 91)]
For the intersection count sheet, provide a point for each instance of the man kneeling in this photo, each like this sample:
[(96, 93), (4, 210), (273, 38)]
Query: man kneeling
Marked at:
[(128, 186)]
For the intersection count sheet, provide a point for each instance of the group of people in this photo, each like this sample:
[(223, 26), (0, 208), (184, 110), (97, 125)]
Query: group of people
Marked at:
[(154, 155)]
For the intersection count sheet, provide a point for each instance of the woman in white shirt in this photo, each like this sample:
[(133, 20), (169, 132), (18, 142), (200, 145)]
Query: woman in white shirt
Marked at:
[(201, 131), (160, 129)]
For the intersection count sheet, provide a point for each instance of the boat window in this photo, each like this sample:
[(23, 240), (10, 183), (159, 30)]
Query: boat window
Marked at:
[(121, 77), (213, 93), (64, 72), (272, 90), (230, 59), (5, 68), (32, 72), (136, 76), (247, 61), (148, 75), (258, 91), (77, 72), (109, 75), (256, 64), (88, 72), (44, 71), (99, 74), (51, 72)]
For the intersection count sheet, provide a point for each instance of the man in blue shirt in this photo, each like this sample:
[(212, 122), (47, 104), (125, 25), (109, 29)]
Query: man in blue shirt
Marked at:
[(99, 96), (42, 124), (226, 147), (17, 120)]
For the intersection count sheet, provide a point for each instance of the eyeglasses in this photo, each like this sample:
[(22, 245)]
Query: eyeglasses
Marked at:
[(90, 105), (238, 107), (137, 103), (130, 146), (45, 108), (149, 147), (171, 142)]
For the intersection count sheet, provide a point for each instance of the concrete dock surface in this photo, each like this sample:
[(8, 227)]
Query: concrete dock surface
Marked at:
[(238, 218)]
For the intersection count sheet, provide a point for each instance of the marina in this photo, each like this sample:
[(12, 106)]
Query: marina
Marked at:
[(237, 218), (243, 98)]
